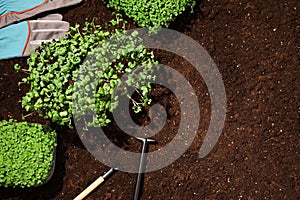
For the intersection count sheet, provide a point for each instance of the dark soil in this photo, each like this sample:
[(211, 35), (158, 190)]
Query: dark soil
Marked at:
[(255, 45)]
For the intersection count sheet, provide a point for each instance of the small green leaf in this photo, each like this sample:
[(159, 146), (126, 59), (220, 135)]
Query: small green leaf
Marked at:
[(63, 114)]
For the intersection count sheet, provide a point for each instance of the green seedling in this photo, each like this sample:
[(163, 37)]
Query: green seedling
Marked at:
[(152, 13), (26, 153), (54, 69)]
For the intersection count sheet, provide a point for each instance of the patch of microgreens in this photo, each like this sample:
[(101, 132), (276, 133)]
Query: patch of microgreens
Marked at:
[(101, 73), (152, 13), (26, 153), (54, 66)]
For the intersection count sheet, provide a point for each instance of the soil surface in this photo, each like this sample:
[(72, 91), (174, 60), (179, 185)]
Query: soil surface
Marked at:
[(255, 45)]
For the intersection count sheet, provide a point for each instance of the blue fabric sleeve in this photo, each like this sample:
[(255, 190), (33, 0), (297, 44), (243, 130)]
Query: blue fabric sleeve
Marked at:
[(13, 40), (7, 6)]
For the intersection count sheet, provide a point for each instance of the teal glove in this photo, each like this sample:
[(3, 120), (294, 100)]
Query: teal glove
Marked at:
[(17, 10), (21, 38)]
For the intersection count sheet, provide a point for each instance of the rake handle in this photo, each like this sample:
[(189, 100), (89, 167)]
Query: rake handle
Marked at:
[(95, 184), (89, 189)]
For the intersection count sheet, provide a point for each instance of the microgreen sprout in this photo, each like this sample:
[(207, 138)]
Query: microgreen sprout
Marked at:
[(152, 13), (54, 69), (26, 153)]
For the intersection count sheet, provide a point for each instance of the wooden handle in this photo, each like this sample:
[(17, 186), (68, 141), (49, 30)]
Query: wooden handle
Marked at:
[(89, 189)]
